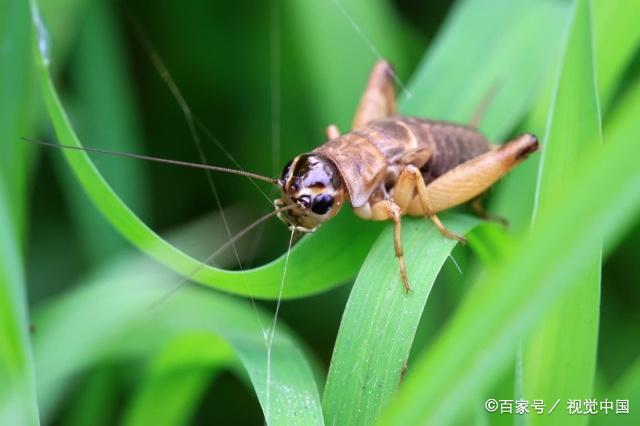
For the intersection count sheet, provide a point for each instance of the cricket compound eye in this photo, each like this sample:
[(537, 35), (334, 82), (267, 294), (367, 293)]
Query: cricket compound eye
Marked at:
[(322, 204)]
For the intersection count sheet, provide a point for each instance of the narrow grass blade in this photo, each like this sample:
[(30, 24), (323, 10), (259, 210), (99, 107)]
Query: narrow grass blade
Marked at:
[(17, 385), (177, 378), (480, 340), (560, 355), (380, 321), (112, 317)]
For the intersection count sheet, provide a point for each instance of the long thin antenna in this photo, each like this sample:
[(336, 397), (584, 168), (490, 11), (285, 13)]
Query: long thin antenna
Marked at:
[(250, 175), (219, 250)]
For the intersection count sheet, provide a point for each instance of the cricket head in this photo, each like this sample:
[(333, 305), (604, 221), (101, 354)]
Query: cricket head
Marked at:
[(313, 190)]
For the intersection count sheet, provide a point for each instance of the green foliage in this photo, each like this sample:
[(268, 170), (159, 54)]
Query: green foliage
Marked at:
[(560, 356), (117, 340)]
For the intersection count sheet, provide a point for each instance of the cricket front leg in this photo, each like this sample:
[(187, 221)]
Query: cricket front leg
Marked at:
[(389, 210), (410, 192), (379, 97)]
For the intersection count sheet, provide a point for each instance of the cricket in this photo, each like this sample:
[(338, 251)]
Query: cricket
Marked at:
[(386, 167)]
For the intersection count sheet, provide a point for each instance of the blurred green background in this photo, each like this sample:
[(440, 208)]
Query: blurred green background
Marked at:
[(266, 78)]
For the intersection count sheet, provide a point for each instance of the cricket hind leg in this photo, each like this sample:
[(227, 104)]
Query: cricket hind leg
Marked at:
[(473, 177), (379, 97)]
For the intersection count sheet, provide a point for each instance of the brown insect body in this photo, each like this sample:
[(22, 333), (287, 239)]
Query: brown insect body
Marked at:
[(389, 166), (371, 159)]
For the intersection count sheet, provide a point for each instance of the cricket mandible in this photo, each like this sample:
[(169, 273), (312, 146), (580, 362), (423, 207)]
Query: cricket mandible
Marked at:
[(389, 166)]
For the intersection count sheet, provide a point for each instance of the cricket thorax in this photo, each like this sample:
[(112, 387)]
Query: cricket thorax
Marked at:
[(313, 189)]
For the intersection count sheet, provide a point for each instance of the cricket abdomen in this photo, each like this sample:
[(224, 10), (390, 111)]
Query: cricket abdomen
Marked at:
[(449, 144)]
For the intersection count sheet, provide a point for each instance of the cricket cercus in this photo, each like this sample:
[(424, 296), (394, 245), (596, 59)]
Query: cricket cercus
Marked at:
[(386, 167), (389, 166)]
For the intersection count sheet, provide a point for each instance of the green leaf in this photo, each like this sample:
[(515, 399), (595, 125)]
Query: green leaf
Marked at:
[(480, 340), (17, 384), (560, 355), (380, 321), (116, 316)]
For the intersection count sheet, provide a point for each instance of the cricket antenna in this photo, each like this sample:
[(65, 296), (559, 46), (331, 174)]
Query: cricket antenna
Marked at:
[(220, 249), (250, 175)]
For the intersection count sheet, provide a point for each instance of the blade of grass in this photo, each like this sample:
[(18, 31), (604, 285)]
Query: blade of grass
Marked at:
[(111, 317), (17, 384), (559, 358), (481, 337), (176, 379), (380, 321)]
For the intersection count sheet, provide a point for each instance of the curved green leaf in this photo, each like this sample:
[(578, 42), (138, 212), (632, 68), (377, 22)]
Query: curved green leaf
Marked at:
[(116, 316)]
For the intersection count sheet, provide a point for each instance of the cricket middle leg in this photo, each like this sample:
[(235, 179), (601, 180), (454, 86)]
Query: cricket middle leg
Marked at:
[(411, 188)]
